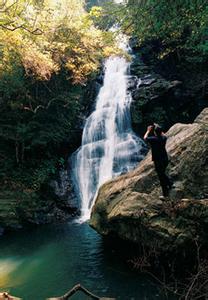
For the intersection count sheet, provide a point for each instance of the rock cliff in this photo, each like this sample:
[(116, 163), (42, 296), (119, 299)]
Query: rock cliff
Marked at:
[(129, 206), (165, 94)]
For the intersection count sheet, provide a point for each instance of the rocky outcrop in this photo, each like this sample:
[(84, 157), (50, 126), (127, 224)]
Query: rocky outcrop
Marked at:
[(129, 206), (63, 188), (164, 96), (19, 208)]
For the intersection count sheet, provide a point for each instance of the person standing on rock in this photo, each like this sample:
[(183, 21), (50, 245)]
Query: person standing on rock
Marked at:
[(157, 140)]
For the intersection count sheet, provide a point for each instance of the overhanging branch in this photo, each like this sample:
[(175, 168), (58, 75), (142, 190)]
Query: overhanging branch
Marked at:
[(36, 31)]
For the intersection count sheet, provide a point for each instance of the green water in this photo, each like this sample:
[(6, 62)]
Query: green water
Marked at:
[(49, 260)]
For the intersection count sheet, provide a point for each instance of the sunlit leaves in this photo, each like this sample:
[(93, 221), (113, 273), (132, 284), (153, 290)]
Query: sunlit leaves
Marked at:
[(96, 11), (49, 35), (37, 64)]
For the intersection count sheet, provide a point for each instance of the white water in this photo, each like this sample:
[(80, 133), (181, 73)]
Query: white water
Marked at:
[(109, 146)]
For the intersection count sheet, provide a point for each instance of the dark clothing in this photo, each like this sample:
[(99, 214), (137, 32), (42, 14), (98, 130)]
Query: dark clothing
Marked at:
[(160, 158), (160, 167), (158, 147)]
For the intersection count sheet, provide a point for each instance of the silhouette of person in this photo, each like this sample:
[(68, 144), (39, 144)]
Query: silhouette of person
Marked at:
[(157, 140)]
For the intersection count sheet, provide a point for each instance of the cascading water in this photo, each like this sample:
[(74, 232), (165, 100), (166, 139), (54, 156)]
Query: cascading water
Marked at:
[(109, 146)]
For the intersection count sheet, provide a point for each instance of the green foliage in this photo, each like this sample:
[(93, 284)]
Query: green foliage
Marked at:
[(31, 136), (44, 37), (107, 14), (179, 27), (48, 52)]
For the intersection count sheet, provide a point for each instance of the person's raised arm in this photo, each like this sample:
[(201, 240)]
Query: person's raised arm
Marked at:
[(149, 129)]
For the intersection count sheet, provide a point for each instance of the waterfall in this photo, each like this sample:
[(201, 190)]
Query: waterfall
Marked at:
[(109, 146)]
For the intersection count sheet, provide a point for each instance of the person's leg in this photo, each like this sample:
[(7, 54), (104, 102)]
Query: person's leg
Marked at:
[(169, 183), (167, 180), (160, 167)]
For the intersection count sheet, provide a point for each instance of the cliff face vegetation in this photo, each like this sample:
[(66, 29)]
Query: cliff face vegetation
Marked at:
[(129, 206)]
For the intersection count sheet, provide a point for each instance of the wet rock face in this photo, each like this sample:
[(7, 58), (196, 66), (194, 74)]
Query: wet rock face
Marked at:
[(63, 189), (129, 206), (163, 98), (21, 208)]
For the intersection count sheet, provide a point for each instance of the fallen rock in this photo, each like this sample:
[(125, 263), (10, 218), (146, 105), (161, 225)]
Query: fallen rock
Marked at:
[(129, 206)]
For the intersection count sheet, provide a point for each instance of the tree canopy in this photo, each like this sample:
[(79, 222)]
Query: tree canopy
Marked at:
[(49, 50), (45, 36), (178, 26)]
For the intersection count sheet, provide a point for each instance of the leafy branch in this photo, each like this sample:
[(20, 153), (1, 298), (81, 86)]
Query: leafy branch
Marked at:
[(36, 31)]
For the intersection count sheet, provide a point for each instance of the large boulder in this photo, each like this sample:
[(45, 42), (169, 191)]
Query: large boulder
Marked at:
[(129, 206)]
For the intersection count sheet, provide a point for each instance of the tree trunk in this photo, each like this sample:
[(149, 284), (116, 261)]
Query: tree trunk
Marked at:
[(76, 288)]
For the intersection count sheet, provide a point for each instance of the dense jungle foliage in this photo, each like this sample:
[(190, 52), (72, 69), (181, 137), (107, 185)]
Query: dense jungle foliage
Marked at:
[(179, 27), (49, 53)]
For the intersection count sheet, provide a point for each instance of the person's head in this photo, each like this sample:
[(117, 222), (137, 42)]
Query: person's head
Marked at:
[(157, 130), (151, 129)]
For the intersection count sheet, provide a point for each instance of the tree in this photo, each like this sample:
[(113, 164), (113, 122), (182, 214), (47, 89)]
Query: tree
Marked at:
[(178, 26), (49, 50)]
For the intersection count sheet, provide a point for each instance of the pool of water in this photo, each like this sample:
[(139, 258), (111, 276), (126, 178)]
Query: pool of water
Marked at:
[(49, 260)]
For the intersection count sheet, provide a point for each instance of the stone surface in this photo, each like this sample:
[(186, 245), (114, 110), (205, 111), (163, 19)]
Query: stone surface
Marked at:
[(19, 208), (129, 206), (63, 189), (162, 97)]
